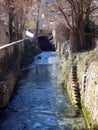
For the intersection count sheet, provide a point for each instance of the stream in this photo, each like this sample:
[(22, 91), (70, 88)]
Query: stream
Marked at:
[(39, 102)]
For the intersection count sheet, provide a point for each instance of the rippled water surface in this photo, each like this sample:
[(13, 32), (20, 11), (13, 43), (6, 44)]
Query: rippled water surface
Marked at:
[(39, 103)]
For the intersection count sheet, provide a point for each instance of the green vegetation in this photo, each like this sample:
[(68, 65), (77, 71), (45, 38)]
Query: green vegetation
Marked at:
[(64, 71), (91, 28), (86, 61), (87, 118)]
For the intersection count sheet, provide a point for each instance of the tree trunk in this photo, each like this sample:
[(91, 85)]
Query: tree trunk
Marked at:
[(10, 25), (78, 38)]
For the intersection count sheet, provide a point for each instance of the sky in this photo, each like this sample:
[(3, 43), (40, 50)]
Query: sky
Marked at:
[(48, 1)]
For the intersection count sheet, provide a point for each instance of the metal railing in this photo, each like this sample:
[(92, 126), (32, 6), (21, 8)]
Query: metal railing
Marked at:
[(7, 49)]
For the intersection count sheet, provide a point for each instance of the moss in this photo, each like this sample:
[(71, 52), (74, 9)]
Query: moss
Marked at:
[(69, 95), (96, 81), (64, 76), (84, 61), (64, 71), (87, 118)]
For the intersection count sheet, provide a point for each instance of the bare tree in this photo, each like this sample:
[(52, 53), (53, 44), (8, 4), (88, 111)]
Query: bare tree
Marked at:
[(77, 15), (17, 17), (62, 32)]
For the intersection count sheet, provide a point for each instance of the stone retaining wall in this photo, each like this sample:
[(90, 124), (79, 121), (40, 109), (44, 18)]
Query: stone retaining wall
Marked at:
[(87, 74), (13, 57)]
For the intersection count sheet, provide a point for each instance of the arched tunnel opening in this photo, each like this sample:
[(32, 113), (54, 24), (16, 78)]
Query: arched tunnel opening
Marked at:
[(45, 44)]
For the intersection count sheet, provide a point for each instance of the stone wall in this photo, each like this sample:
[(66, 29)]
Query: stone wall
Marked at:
[(87, 80), (13, 57), (4, 33)]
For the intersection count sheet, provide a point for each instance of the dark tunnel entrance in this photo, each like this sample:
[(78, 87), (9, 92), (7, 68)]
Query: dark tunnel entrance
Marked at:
[(45, 44)]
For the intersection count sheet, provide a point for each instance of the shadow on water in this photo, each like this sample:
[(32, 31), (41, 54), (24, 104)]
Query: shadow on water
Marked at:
[(39, 103)]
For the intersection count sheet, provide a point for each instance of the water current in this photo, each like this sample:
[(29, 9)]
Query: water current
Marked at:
[(39, 102)]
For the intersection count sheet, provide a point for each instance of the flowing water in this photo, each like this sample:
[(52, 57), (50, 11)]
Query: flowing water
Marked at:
[(39, 103)]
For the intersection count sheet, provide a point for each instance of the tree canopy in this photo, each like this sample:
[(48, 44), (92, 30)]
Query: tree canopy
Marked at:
[(77, 14)]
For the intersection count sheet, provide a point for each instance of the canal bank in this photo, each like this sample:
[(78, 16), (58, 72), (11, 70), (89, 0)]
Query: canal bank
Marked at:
[(81, 80), (14, 56), (39, 102)]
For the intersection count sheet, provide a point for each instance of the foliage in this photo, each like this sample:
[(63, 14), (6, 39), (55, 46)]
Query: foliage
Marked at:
[(91, 28)]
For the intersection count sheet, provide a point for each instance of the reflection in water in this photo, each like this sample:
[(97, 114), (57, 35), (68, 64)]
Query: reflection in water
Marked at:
[(40, 103)]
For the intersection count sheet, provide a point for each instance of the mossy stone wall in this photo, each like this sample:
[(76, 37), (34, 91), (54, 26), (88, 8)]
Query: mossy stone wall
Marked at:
[(12, 58), (87, 74)]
